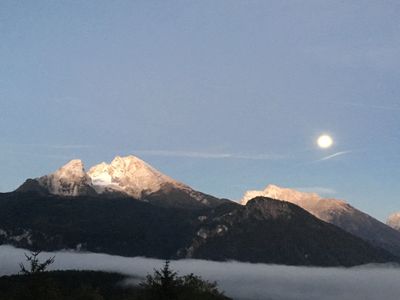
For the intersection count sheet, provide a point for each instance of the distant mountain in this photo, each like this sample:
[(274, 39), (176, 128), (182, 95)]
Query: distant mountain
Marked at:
[(272, 231), (129, 176), (336, 212), (394, 221), (129, 208), (264, 230)]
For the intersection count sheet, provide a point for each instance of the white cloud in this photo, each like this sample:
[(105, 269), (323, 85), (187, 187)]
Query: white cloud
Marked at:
[(242, 280)]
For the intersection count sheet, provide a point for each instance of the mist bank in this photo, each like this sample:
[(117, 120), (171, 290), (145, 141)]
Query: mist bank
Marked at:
[(238, 280)]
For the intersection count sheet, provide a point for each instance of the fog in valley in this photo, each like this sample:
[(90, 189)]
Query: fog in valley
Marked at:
[(238, 280)]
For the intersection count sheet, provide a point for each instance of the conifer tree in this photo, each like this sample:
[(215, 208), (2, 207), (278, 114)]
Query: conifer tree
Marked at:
[(35, 266)]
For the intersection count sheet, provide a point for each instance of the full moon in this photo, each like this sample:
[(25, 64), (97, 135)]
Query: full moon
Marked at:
[(324, 141)]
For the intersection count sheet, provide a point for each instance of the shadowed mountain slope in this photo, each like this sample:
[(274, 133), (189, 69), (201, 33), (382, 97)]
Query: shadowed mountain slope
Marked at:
[(264, 230), (272, 231), (336, 212)]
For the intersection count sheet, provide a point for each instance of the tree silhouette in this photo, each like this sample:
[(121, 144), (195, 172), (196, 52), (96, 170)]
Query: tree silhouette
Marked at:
[(162, 284), (35, 266), (165, 284)]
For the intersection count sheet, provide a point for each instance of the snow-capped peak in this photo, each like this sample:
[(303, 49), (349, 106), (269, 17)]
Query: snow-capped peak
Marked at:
[(127, 175), (69, 180), (130, 175)]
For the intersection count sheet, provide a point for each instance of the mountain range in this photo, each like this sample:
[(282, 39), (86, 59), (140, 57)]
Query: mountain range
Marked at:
[(129, 208), (336, 212), (126, 176)]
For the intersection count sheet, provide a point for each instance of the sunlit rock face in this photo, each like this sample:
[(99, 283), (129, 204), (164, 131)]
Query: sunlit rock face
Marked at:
[(126, 176), (136, 178), (312, 202), (276, 192), (69, 180), (336, 212), (394, 221), (130, 175)]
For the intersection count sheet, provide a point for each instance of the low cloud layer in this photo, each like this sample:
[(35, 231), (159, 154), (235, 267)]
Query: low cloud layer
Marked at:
[(241, 280)]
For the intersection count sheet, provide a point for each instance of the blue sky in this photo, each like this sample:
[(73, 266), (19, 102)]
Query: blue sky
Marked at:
[(223, 95)]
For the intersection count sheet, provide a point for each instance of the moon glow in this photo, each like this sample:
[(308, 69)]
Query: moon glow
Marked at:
[(324, 141)]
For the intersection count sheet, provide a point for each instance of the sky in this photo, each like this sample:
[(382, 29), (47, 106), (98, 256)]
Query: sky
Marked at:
[(241, 281), (225, 96)]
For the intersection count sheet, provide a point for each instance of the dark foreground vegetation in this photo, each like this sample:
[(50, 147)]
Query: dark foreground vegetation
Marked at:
[(164, 284)]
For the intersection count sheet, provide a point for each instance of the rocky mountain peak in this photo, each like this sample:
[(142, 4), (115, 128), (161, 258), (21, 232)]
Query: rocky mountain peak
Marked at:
[(73, 168), (323, 208), (286, 194), (128, 174), (394, 221), (69, 180), (123, 176)]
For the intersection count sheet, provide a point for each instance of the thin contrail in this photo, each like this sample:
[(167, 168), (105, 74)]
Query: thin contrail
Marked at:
[(334, 155), (340, 153)]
